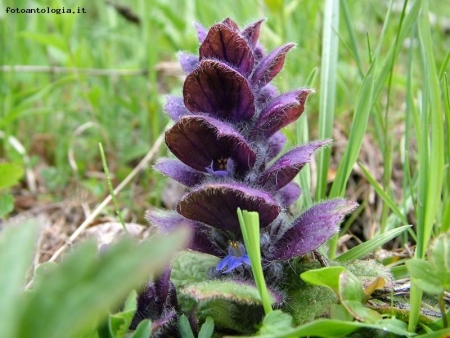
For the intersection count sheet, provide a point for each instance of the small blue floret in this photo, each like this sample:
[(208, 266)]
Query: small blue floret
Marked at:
[(236, 257)]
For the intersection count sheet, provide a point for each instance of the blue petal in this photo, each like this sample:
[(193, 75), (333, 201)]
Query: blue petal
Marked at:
[(232, 262), (246, 260), (211, 171), (224, 262), (235, 263)]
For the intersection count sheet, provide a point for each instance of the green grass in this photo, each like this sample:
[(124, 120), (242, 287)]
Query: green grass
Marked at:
[(380, 71)]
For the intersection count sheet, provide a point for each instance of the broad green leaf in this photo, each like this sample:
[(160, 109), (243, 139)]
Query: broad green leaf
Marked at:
[(131, 302), (339, 312), (231, 315), (184, 327), (276, 322), (6, 204), (191, 267), (17, 245), (444, 333), (119, 323), (143, 330), (207, 328), (440, 258), (425, 276), (10, 174), (43, 270), (89, 285), (369, 270), (229, 290), (328, 276), (337, 328), (352, 296)]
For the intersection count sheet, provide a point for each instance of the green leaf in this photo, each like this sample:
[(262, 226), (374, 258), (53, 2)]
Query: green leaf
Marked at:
[(119, 323), (352, 296), (328, 276), (17, 245), (131, 302), (43, 270), (10, 174), (337, 328), (339, 312), (89, 285), (143, 330), (425, 276), (207, 328), (184, 327), (440, 258), (276, 322), (437, 334), (6, 204), (191, 267), (230, 290)]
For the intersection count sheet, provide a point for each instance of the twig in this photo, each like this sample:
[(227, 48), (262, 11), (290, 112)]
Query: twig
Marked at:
[(94, 214)]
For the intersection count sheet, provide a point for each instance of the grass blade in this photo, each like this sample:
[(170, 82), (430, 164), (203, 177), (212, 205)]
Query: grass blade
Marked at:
[(328, 74), (367, 247)]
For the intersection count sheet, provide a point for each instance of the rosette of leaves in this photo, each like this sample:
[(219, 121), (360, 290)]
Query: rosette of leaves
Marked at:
[(227, 143)]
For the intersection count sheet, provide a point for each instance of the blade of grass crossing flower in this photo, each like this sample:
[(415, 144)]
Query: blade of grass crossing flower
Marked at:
[(249, 223), (328, 74), (111, 189)]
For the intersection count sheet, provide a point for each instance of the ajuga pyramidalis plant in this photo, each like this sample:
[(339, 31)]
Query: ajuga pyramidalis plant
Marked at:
[(227, 140)]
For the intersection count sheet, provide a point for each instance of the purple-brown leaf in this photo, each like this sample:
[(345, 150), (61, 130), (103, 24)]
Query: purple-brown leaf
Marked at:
[(175, 108), (288, 166), (251, 32), (216, 205), (224, 44), (180, 172), (313, 228), (198, 141), (282, 111), (218, 90), (269, 66)]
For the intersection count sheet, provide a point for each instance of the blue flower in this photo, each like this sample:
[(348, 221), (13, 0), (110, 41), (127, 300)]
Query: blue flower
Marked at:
[(221, 167), (236, 257)]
